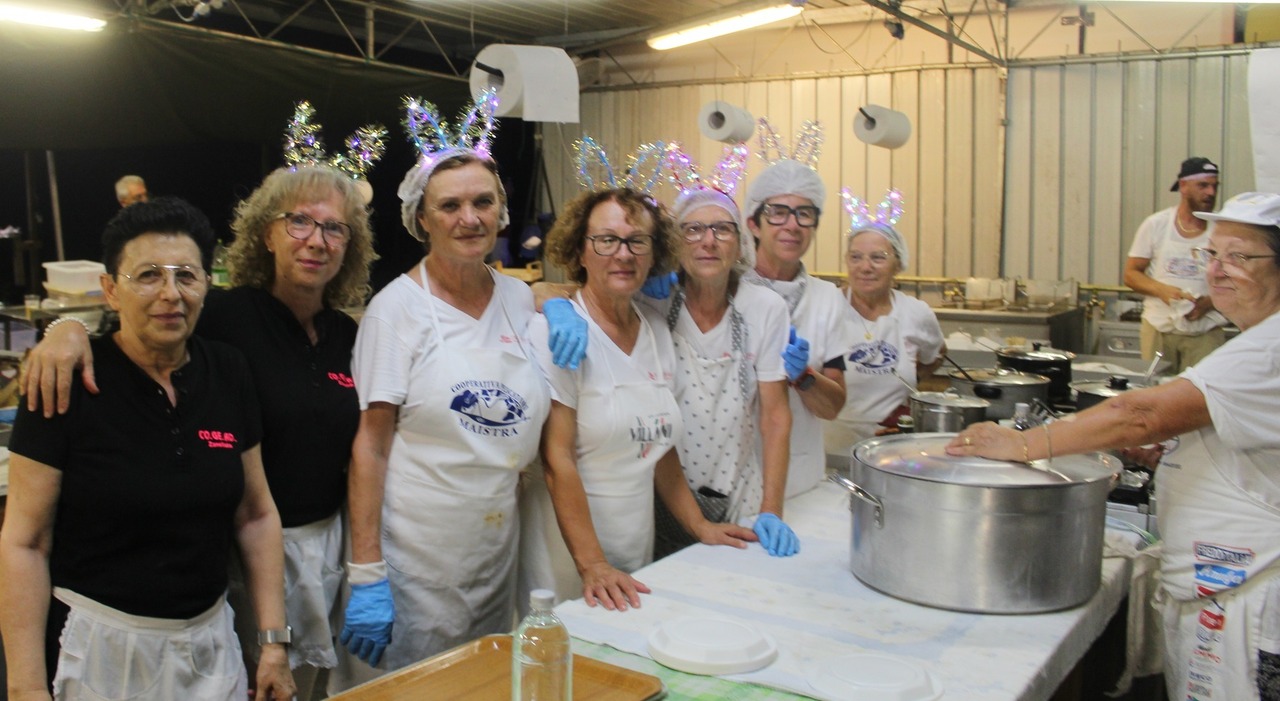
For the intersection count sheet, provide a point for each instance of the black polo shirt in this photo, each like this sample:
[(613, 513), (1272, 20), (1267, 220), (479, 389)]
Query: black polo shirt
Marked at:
[(309, 407), (145, 515)]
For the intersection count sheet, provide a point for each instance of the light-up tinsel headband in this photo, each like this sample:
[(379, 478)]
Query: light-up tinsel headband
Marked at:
[(304, 147), (806, 149), (887, 214), (716, 190), (436, 141), (645, 167)]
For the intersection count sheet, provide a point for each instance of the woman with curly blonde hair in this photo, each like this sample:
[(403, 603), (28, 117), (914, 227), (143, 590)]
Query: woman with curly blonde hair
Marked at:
[(303, 249), (609, 442)]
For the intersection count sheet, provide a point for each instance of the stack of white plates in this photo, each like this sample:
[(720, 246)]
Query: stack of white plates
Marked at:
[(707, 645)]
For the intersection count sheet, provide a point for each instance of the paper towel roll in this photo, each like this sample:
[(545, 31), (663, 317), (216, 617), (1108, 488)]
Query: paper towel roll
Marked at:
[(537, 83), (885, 127), (721, 121)]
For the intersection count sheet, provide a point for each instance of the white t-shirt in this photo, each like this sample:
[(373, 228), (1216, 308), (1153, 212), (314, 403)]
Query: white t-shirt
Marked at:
[(1173, 264), (908, 334), (822, 316)]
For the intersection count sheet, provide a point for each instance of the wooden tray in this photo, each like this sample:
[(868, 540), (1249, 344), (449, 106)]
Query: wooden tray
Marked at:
[(481, 671)]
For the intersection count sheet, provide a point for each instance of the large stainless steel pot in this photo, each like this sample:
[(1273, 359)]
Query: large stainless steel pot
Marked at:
[(1002, 387), (1052, 363), (943, 412), (970, 534), (1098, 391)]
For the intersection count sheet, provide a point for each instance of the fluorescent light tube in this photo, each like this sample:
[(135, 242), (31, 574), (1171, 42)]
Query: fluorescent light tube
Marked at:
[(49, 18), (710, 29)]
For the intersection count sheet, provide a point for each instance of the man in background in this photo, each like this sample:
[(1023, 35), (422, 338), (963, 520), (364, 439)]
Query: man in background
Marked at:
[(1178, 318), (131, 189)]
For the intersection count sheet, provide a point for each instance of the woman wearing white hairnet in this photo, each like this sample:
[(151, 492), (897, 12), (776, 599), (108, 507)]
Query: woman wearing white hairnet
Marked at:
[(782, 208), (896, 334), (728, 340)]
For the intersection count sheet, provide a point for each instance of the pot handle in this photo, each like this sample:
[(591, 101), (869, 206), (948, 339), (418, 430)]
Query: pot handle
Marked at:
[(862, 494), (986, 392)]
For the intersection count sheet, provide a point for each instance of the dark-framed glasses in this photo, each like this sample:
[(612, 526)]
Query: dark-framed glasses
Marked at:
[(608, 244), (878, 259), (695, 232), (301, 226), (1234, 259), (148, 279), (777, 214)]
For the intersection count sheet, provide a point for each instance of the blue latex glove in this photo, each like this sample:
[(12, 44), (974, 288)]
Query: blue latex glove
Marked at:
[(370, 615), (568, 339), (776, 537), (659, 287), (795, 357)]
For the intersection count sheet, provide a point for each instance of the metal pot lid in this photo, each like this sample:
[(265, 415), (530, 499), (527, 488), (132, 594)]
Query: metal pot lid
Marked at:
[(949, 399), (1036, 353), (923, 456), (1110, 387), (1001, 376)]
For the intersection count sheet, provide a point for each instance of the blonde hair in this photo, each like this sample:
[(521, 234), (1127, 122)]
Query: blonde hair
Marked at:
[(251, 264), (567, 237)]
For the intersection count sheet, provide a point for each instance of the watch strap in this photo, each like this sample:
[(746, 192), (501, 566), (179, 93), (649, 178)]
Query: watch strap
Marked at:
[(275, 635)]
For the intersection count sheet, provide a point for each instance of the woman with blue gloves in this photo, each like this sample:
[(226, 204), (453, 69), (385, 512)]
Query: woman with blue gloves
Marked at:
[(730, 342)]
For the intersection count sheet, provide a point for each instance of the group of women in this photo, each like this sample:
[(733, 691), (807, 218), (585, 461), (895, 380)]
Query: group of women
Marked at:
[(130, 487)]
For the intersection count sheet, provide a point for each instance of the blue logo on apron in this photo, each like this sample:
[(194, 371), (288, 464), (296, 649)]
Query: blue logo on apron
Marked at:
[(875, 358), (488, 404)]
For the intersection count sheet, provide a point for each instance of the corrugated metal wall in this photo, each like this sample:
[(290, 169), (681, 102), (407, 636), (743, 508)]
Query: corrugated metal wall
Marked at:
[(949, 172), (1094, 146)]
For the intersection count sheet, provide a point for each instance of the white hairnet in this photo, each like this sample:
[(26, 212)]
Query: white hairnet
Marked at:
[(785, 177), (414, 186), (693, 200), (891, 235)]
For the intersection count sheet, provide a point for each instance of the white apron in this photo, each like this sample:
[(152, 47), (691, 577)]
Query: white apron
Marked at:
[(808, 464), (110, 655), (718, 438), (1221, 549), (449, 528), (630, 424)]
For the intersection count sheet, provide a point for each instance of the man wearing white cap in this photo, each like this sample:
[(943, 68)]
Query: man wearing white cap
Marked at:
[(1178, 318), (781, 210)]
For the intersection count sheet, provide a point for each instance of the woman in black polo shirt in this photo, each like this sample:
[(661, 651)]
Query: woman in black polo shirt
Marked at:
[(122, 511), (303, 249)]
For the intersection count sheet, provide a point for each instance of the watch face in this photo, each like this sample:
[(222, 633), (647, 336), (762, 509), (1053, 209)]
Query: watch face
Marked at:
[(806, 382)]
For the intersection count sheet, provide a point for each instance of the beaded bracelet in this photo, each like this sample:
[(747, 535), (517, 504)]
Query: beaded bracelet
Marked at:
[(1048, 442), (63, 319)]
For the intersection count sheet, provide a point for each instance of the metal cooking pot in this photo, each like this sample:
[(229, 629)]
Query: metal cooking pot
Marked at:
[(1098, 391), (970, 534), (1002, 387), (1052, 363), (944, 412)]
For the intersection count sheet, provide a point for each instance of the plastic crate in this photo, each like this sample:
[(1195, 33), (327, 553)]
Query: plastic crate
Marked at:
[(74, 276)]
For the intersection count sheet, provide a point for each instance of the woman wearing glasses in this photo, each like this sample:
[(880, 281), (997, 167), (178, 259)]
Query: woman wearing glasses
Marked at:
[(729, 340), (896, 334), (302, 251), (122, 510), (614, 423), (782, 207), (1217, 481)]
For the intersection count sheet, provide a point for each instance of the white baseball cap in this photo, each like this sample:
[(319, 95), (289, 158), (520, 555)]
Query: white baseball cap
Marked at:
[(1257, 208)]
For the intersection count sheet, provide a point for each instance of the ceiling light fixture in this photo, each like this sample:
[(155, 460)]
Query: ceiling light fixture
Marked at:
[(719, 24), (49, 18)]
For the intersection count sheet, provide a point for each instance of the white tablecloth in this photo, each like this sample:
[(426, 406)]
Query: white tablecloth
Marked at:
[(817, 611)]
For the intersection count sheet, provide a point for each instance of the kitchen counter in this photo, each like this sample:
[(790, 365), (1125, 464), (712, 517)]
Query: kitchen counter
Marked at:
[(1063, 327), (817, 611)]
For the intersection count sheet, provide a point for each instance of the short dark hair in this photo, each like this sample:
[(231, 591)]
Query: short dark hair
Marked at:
[(163, 215)]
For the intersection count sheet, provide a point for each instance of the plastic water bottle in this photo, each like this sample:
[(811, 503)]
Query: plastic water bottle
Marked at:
[(541, 659), (220, 276), (1022, 419)]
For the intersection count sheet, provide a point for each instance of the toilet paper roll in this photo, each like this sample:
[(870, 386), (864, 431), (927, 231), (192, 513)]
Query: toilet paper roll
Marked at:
[(537, 83), (884, 127), (721, 121)]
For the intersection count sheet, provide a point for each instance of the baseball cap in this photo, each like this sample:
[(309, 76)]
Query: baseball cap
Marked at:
[(1257, 208), (1196, 165)]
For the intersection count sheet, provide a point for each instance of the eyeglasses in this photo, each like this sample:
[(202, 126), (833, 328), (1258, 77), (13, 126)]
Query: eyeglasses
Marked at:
[(877, 260), (777, 214), (608, 244), (1204, 256), (695, 232), (148, 280), (301, 227)]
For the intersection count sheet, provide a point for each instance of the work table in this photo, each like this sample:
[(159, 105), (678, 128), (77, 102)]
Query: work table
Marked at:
[(818, 612)]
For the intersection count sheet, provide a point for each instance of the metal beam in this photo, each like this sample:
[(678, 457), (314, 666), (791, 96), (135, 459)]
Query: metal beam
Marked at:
[(915, 22)]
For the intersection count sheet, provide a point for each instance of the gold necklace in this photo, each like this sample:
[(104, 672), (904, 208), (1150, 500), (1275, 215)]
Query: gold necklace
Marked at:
[(1185, 231), (869, 334)]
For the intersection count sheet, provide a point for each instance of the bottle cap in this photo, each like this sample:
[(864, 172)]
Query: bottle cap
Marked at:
[(542, 599)]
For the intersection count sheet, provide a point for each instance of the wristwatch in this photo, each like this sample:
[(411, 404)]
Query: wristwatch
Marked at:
[(275, 635), (806, 380)]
